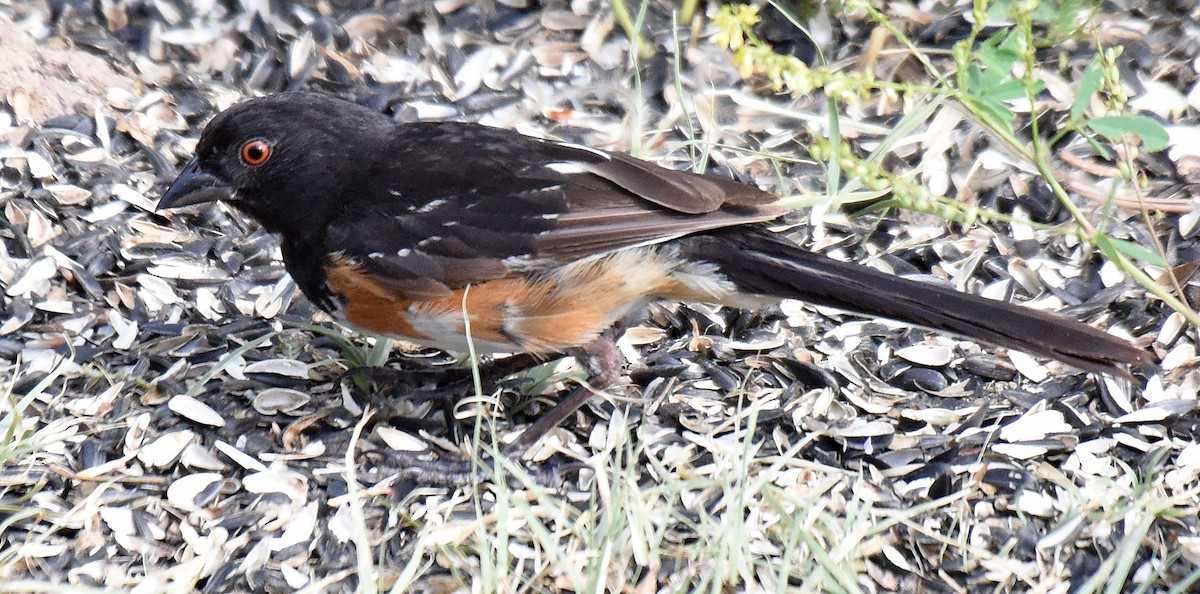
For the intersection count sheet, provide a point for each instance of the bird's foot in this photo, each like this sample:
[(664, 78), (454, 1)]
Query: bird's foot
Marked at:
[(603, 362)]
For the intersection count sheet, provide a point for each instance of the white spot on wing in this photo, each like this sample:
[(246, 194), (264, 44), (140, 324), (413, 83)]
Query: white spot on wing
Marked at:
[(404, 253), (431, 205), (566, 168)]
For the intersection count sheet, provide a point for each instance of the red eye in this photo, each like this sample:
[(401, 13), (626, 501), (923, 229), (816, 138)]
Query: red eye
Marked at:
[(256, 152)]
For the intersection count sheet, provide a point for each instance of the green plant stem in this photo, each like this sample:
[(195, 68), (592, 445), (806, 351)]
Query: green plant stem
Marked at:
[(1124, 263), (882, 20), (687, 11), (224, 362), (632, 30), (1039, 157)]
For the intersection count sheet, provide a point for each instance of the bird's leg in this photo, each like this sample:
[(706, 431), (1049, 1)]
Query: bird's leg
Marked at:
[(450, 383), (603, 363)]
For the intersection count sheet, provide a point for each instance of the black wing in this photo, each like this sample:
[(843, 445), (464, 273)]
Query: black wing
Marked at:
[(454, 204)]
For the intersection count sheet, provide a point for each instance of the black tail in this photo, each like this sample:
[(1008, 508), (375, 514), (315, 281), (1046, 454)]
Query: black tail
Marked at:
[(761, 264)]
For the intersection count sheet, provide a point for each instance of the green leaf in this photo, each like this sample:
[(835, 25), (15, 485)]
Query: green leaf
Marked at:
[(976, 80), (1105, 243), (379, 354), (1012, 46), (1135, 251), (1000, 52), (999, 11), (1154, 136), (1088, 85), (1013, 89), (993, 113)]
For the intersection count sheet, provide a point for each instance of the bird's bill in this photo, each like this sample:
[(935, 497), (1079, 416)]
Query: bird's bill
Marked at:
[(194, 186)]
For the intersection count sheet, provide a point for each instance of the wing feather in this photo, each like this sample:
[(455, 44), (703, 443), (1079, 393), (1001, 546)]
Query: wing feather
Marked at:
[(430, 226)]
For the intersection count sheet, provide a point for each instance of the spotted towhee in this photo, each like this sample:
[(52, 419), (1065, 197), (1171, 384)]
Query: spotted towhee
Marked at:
[(400, 228)]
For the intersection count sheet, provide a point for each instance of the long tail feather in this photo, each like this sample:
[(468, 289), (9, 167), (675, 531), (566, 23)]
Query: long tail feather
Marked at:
[(761, 264)]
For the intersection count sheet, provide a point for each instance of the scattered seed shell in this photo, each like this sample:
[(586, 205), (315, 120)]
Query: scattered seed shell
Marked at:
[(192, 409), (273, 401), (929, 355), (186, 491)]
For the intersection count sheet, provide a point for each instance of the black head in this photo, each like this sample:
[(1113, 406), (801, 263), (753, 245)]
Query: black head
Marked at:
[(285, 159)]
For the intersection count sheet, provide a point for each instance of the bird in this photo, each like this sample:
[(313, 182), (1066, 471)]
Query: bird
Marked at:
[(430, 231)]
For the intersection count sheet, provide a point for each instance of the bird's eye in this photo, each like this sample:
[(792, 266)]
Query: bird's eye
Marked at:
[(256, 152)]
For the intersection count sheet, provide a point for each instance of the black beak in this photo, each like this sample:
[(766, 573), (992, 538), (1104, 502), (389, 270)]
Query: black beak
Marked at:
[(194, 186)]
